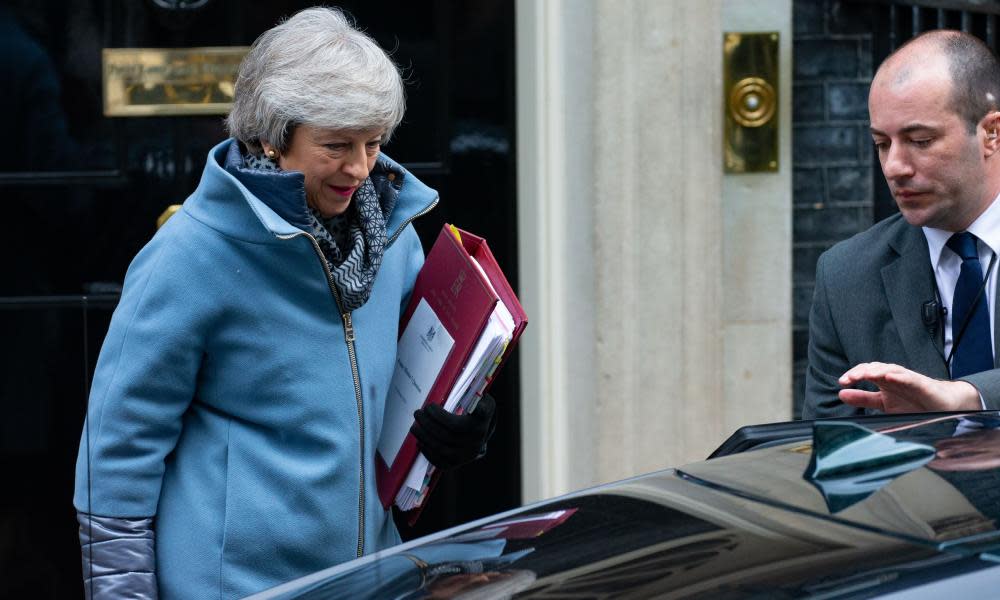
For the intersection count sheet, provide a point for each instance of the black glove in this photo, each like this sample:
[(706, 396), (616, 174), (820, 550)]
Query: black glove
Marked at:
[(449, 440)]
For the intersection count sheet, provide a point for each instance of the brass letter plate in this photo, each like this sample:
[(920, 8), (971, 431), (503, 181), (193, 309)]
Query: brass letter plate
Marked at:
[(142, 82), (750, 98)]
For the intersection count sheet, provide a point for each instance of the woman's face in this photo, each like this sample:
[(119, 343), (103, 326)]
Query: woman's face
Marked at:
[(335, 162)]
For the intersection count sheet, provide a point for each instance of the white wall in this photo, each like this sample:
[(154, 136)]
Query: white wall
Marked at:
[(757, 252), (658, 290), (555, 223)]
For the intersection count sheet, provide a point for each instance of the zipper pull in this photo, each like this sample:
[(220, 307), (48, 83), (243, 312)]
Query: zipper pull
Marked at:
[(348, 327)]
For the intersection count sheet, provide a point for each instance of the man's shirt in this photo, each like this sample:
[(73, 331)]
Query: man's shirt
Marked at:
[(947, 265)]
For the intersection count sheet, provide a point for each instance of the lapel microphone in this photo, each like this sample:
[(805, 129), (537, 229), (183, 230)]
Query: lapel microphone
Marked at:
[(931, 313)]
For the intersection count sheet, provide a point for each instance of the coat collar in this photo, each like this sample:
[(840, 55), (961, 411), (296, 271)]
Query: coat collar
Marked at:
[(909, 283), (221, 200)]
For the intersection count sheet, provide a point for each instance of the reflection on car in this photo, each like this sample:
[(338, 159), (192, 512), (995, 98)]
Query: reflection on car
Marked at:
[(866, 507)]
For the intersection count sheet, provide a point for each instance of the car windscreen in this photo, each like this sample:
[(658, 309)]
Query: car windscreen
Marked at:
[(936, 481)]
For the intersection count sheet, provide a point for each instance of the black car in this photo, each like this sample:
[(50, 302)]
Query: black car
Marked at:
[(885, 507)]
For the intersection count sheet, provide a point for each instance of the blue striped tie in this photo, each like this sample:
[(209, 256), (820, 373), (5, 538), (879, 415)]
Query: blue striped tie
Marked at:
[(974, 350)]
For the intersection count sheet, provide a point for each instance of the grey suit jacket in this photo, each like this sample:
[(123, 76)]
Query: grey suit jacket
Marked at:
[(867, 306)]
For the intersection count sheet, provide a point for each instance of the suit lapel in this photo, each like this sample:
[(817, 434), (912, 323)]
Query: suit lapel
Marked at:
[(909, 282)]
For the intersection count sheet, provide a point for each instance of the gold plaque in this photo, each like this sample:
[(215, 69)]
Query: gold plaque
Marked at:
[(750, 80), (143, 82)]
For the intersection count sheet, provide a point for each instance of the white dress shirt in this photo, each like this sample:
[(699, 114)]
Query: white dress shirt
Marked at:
[(947, 265)]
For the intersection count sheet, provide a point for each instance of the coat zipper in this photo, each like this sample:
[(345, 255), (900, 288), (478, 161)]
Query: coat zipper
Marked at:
[(352, 354), (392, 238)]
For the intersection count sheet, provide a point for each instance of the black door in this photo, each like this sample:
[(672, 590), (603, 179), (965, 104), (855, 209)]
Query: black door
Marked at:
[(82, 192)]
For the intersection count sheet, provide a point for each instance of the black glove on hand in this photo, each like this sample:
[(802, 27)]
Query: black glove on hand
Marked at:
[(449, 440)]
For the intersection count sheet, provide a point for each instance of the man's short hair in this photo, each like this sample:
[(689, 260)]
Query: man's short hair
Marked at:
[(975, 76)]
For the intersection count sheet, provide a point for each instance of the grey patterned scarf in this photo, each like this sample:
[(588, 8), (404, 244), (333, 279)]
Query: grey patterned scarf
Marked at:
[(353, 242)]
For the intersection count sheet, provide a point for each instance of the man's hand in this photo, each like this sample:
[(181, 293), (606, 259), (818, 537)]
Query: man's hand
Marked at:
[(901, 390)]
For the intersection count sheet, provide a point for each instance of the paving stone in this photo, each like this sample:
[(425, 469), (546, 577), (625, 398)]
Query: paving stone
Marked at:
[(829, 224), (808, 102), (808, 185), (822, 59), (808, 16), (849, 17), (801, 302), (848, 101), (804, 263), (849, 184), (819, 144)]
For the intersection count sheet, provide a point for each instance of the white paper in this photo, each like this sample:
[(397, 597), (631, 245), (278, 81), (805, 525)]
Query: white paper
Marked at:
[(422, 351), (487, 350), (490, 346), (480, 353), (417, 474), (464, 394)]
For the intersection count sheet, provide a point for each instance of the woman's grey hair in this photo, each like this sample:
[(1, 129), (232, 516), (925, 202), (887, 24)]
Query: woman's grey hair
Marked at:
[(314, 69)]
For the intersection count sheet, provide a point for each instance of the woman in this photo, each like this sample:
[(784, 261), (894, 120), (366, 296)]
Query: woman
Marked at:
[(238, 398)]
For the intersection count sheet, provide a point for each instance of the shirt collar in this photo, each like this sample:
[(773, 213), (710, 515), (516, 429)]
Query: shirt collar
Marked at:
[(986, 228)]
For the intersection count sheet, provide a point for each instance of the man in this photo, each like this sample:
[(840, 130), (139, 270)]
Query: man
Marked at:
[(899, 322)]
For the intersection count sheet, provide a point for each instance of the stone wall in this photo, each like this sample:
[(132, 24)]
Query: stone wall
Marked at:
[(658, 287)]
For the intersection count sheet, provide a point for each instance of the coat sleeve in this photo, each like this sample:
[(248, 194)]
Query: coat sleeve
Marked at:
[(144, 381), (827, 357), (118, 558), (988, 384)]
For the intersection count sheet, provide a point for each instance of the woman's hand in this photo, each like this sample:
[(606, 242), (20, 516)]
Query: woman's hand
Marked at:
[(449, 440)]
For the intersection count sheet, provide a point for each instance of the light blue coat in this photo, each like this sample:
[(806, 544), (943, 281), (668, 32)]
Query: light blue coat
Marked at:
[(224, 401)]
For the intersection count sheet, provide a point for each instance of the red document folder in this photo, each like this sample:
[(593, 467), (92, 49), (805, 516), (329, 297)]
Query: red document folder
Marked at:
[(463, 301), (523, 527)]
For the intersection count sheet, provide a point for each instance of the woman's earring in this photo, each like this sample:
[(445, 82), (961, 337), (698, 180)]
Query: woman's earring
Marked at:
[(271, 154)]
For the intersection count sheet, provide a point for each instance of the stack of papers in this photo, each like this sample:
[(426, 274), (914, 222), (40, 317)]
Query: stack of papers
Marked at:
[(477, 371), (461, 323)]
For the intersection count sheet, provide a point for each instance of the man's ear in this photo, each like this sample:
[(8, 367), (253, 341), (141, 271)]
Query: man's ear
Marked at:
[(991, 126)]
